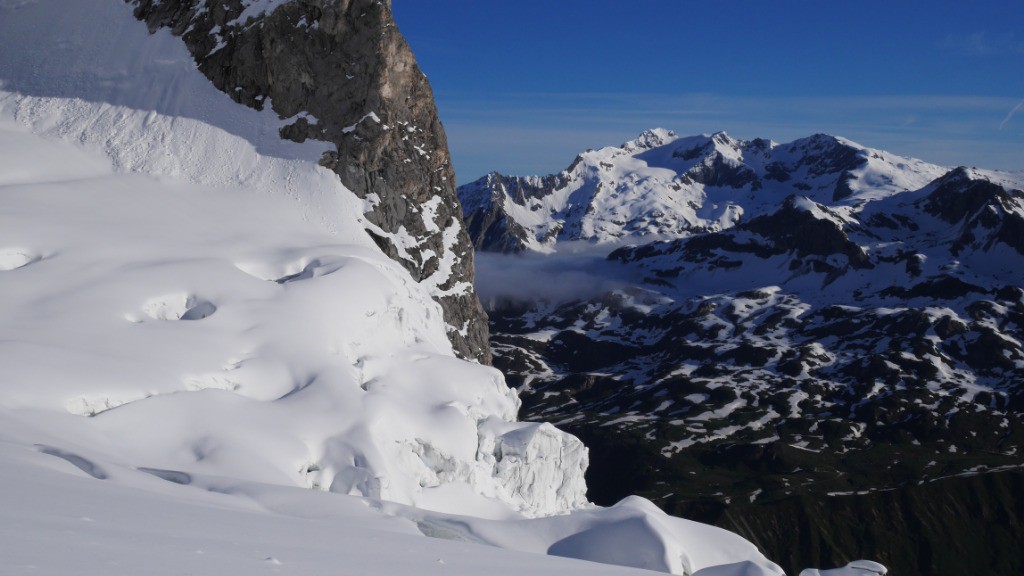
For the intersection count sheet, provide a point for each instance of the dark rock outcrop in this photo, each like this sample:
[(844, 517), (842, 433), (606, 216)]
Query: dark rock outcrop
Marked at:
[(342, 73), (489, 226), (986, 212)]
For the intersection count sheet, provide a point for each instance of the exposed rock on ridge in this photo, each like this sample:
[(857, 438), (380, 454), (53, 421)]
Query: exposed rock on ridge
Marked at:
[(487, 218), (341, 72)]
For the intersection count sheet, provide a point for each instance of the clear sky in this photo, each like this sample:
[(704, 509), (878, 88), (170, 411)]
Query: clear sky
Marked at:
[(525, 85)]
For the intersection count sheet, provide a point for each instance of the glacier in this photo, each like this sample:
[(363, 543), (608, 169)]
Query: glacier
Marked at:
[(189, 262)]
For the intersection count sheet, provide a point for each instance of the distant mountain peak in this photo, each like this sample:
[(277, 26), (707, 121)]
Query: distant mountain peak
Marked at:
[(650, 139), (662, 186)]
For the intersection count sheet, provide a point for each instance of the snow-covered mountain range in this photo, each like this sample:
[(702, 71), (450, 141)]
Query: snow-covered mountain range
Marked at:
[(814, 320), (238, 332), (661, 186)]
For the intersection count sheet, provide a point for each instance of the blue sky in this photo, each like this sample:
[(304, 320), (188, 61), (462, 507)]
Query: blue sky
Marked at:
[(524, 85)]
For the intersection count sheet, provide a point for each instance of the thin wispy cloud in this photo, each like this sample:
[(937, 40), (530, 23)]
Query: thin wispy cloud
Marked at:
[(985, 44), (1010, 114), (559, 277)]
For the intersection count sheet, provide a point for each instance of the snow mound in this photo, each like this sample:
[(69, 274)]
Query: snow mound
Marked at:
[(301, 269), (634, 533), (534, 464), (178, 307), (14, 258), (602, 543)]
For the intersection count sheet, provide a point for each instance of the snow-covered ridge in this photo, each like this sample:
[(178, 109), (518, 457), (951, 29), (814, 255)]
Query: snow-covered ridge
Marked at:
[(789, 293), (662, 186)]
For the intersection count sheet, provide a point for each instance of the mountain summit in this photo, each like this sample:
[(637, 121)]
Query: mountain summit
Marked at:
[(661, 186)]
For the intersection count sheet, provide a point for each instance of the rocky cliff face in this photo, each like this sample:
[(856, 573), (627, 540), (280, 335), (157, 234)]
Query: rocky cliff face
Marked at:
[(339, 71), (486, 205)]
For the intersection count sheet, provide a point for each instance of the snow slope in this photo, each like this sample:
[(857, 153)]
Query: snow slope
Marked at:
[(182, 272), (56, 519), (199, 340), (168, 297)]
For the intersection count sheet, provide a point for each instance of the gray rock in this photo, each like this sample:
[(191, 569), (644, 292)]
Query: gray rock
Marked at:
[(347, 67)]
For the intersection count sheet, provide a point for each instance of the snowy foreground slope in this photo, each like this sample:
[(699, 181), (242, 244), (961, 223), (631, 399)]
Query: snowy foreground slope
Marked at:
[(207, 365)]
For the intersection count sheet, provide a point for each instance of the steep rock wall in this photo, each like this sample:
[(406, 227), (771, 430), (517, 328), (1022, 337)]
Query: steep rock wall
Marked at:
[(340, 71)]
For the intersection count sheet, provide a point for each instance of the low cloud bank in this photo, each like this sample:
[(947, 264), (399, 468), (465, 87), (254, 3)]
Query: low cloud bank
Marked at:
[(575, 272)]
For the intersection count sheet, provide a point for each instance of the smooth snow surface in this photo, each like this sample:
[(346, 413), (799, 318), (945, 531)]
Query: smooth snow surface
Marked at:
[(93, 50), (57, 520), (199, 341)]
